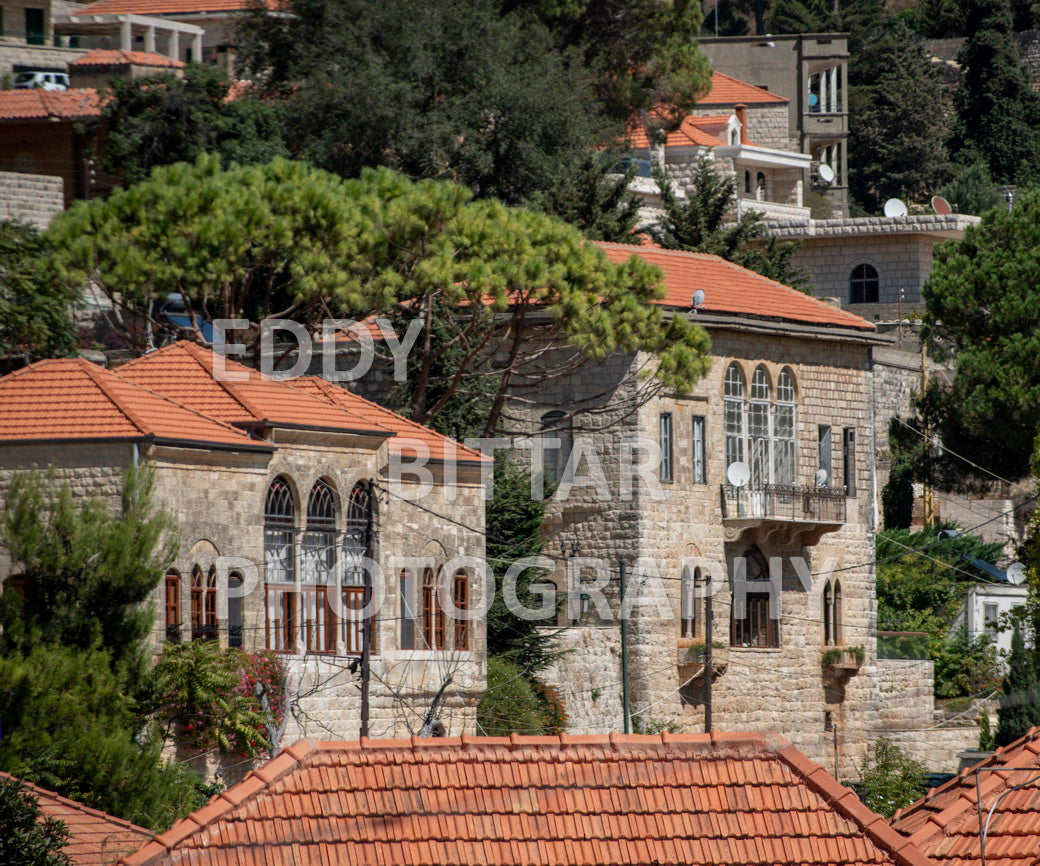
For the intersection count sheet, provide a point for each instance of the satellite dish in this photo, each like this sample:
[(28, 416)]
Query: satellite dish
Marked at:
[(945, 534), (941, 206), (698, 298), (821, 477), (738, 474), (895, 208), (1016, 573), (826, 173)]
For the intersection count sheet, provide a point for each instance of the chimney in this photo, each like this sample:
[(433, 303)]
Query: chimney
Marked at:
[(740, 109)]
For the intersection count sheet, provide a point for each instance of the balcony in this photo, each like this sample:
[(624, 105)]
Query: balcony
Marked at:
[(803, 515), (841, 661), (691, 661)]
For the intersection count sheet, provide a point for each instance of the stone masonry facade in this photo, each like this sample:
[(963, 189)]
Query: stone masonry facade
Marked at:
[(32, 198)]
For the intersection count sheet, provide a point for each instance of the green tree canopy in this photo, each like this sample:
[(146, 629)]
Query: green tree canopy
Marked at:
[(34, 307), (980, 315), (998, 110), (285, 240), (25, 838), (162, 119), (972, 190), (897, 140), (1020, 703), (889, 779)]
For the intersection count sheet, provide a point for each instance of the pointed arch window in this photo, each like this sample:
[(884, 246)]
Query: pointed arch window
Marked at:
[(357, 548), (281, 596), (733, 410), (236, 622), (318, 580), (690, 587), (832, 614), (203, 604), (461, 600), (784, 430), (172, 585), (757, 627), (758, 426), (433, 619)]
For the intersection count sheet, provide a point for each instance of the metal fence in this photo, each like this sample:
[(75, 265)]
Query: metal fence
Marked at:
[(784, 502)]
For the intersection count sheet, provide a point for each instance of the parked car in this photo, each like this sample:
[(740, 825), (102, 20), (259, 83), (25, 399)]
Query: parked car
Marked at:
[(41, 80)]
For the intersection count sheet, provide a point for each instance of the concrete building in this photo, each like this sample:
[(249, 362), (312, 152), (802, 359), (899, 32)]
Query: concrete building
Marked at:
[(279, 493), (786, 558), (809, 70), (986, 611)]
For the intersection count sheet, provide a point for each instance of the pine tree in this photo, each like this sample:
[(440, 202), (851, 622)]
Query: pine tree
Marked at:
[(1020, 704), (972, 191), (998, 111)]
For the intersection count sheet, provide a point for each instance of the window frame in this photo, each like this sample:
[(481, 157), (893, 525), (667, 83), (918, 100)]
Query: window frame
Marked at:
[(172, 589), (666, 446), (555, 423), (699, 448), (864, 284)]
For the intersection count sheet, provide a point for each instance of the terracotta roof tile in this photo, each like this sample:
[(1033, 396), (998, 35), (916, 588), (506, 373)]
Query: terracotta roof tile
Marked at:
[(183, 371), (410, 438), (72, 104), (486, 801), (69, 399), (727, 90), (167, 7), (694, 130), (118, 57), (730, 288), (945, 822), (95, 837)]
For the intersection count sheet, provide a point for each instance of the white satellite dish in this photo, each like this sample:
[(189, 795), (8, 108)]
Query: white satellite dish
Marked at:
[(895, 208), (826, 173), (738, 474), (1016, 573), (821, 477), (698, 299)]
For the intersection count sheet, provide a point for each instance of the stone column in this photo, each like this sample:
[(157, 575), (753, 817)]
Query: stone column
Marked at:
[(196, 48), (173, 48), (126, 36), (149, 40), (823, 91)]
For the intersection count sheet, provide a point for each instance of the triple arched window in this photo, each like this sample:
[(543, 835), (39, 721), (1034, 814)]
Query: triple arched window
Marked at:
[(324, 611), (425, 623), (760, 424)]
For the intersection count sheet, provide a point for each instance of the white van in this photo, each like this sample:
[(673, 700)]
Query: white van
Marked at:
[(41, 80)]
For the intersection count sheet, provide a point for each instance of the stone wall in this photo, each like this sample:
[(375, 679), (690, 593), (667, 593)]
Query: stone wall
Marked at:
[(33, 198), (587, 675), (17, 54)]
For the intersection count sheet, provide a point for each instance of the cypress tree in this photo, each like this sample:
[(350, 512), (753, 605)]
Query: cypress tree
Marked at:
[(1020, 704)]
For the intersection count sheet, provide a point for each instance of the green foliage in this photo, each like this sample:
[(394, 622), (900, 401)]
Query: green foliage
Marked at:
[(987, 736), (925, 591), (510, 703), (858, 18), (998, 110), (897, 497), (594, 198), (980, 314), (34, 318), (889, 780), (514, 531), (88, 573), (820, 207), (700, 223), (897, 145), (972, 190), (285, 239), (724, 16), (651, 725), (1020, 703), (163, 119), (24, 838), (70, 726), (941, 19), (209, 693)]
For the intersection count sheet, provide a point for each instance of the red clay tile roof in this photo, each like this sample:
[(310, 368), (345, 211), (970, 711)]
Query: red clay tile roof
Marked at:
[(73, 104), (70, 399), (184, 372), (486, 801), (118, 57), (732, 289), (166, 7), (409, 434), (727, 90), (699, 131), (945, 823), (95, 837)]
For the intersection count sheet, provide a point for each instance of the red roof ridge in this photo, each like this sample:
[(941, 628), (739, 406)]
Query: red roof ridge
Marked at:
[(104, 387), (753, 93), (75, 804), (122, 56)]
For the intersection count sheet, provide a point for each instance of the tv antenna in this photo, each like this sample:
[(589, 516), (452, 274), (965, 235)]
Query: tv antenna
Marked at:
[(894, 208), (738, 474)]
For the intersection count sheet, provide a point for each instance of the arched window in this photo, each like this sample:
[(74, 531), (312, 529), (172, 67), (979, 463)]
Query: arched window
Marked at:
[(236, 622), (461, 600), (433, 623), (733, 410), (357, 548), (784, 430), (280, 566), (556, 454), (752, 624), (864, 284), (406, 584), (828, 615), (747, 182), (318, 571), (203, 604), (760, 186), (690, 586), (837, 613), (172, 585), (758, 426)]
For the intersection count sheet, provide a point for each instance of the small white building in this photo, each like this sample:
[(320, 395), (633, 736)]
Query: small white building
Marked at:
[(986, 608)]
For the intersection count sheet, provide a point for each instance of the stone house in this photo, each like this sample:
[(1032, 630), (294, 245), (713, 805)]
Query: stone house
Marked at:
[(744, 128), (786, 557), (285, 498)]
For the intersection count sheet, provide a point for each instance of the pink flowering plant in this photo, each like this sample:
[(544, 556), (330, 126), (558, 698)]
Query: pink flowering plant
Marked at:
[(219, 698)]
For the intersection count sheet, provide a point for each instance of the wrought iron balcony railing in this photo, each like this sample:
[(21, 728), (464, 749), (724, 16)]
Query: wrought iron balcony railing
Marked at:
[(783, 502)]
